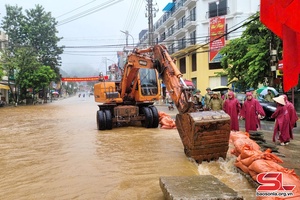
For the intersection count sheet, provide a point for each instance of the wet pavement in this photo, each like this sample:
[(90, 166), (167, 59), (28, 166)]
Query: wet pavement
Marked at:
[(54, 151)]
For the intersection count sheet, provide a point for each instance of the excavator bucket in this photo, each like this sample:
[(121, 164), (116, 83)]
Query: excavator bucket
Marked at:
[(205, 135)]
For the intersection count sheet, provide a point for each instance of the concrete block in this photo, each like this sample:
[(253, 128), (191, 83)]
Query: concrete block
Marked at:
[(204, 187)]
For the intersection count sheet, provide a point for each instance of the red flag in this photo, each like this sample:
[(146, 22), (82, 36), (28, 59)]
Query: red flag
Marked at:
[(281, 17)]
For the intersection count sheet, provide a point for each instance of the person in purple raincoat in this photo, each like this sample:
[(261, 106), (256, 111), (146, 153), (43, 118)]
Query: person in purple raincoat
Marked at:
[(282, 127), (252, 111), (232, 107), (292, 111)]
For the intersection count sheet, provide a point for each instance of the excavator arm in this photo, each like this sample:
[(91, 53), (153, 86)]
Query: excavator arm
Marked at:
[(171, 77), (204, 134)]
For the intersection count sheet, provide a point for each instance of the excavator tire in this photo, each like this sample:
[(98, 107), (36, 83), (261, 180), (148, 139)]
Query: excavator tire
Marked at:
[(155, 116), (101, 121), (108, 119), (147, 123), (205, 135)]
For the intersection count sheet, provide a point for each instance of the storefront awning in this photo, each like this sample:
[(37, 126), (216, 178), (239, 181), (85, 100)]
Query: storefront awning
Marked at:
[(168, 7), (5, 87)]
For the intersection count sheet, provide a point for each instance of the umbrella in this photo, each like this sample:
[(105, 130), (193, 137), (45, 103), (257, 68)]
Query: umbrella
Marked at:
[(220, 88), (264, 90), (189, 83)]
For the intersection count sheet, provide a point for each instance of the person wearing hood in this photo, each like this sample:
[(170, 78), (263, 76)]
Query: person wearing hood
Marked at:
[(282, 128), (216, 102), (232, 107), (292, 111), (252, 112)]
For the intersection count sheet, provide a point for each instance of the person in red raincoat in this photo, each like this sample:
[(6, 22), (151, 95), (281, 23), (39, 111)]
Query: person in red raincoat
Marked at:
[(252, 111), (282, 128), (232, 107), (292, 111)]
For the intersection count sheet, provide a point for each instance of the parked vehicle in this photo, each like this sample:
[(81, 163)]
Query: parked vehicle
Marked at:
[(269, 107)]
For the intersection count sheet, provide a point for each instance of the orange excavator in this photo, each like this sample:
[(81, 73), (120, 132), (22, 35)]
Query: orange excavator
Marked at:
[(204, 134)]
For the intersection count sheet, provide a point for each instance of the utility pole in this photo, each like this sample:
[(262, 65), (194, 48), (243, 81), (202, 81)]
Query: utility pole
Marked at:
[(151, 12), (150, 22)]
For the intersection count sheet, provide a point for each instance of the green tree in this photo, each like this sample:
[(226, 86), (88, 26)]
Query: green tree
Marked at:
[(246, 60), (41, 30), (1, 70), (36, 29), (42, 77), (21, 65)]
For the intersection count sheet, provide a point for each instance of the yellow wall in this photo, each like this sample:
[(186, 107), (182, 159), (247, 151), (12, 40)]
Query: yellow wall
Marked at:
[(203, 73)]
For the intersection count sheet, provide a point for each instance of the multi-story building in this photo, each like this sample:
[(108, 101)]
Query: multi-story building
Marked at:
[(4, 88), (187, 29)]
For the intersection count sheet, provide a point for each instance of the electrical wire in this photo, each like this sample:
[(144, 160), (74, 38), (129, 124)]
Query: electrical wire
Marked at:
[(75, 9), (88, 12)]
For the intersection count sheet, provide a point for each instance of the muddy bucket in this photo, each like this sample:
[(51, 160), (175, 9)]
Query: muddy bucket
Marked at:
[(205, 135)]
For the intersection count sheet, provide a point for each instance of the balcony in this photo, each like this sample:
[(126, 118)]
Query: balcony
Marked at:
[(179, 10), (190, 3), (190, 22)]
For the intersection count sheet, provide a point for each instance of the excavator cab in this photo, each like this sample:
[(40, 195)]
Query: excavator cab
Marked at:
[(149, 84)]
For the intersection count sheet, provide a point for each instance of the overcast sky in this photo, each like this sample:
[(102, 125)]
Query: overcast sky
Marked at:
[(100, 27)]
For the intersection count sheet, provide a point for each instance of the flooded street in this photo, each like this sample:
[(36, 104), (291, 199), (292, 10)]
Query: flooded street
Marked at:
[(54, 151)]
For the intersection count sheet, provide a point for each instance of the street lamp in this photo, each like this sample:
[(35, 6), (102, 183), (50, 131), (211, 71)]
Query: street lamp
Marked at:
[(126, 33), (105, 59)]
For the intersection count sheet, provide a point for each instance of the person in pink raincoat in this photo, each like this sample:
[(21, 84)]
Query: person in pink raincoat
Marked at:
[(252, 111), (292, 111), (282, 127), (232, 107)]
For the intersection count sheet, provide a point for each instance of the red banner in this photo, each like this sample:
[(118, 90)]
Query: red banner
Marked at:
[(80, 79), (216, 29)]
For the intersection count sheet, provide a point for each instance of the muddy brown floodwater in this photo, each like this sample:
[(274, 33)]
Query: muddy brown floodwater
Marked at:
[(54, 151)]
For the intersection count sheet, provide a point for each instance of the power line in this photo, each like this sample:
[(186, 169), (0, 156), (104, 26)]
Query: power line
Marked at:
[(88, 12), (75, 9)]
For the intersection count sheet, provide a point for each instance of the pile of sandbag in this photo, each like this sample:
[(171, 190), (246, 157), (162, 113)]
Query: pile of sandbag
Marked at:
[(166, 121), (251, 160)]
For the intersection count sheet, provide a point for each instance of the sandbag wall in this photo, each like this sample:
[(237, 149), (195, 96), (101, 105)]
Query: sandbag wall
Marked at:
[(251, 160)]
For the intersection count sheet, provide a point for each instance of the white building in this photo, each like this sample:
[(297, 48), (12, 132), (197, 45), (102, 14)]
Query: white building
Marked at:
[(185, 30)]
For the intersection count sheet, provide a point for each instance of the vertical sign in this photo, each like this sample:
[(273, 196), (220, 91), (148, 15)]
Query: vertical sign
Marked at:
[(216, 30)]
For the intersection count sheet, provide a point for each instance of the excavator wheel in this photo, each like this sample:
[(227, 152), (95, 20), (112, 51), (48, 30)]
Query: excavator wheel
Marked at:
[(147, 123), (155, 116), (108, 119), (101, 121)]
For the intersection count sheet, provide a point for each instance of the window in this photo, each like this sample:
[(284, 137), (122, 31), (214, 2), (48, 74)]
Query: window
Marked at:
[(194, 62), (194, 80), (163, 36), (182, 65), (215, 65), (193, 38), (181, 43), (217, 8), (181, 22), (171, 30), (171, 49), (193, 14), (148, 80)]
